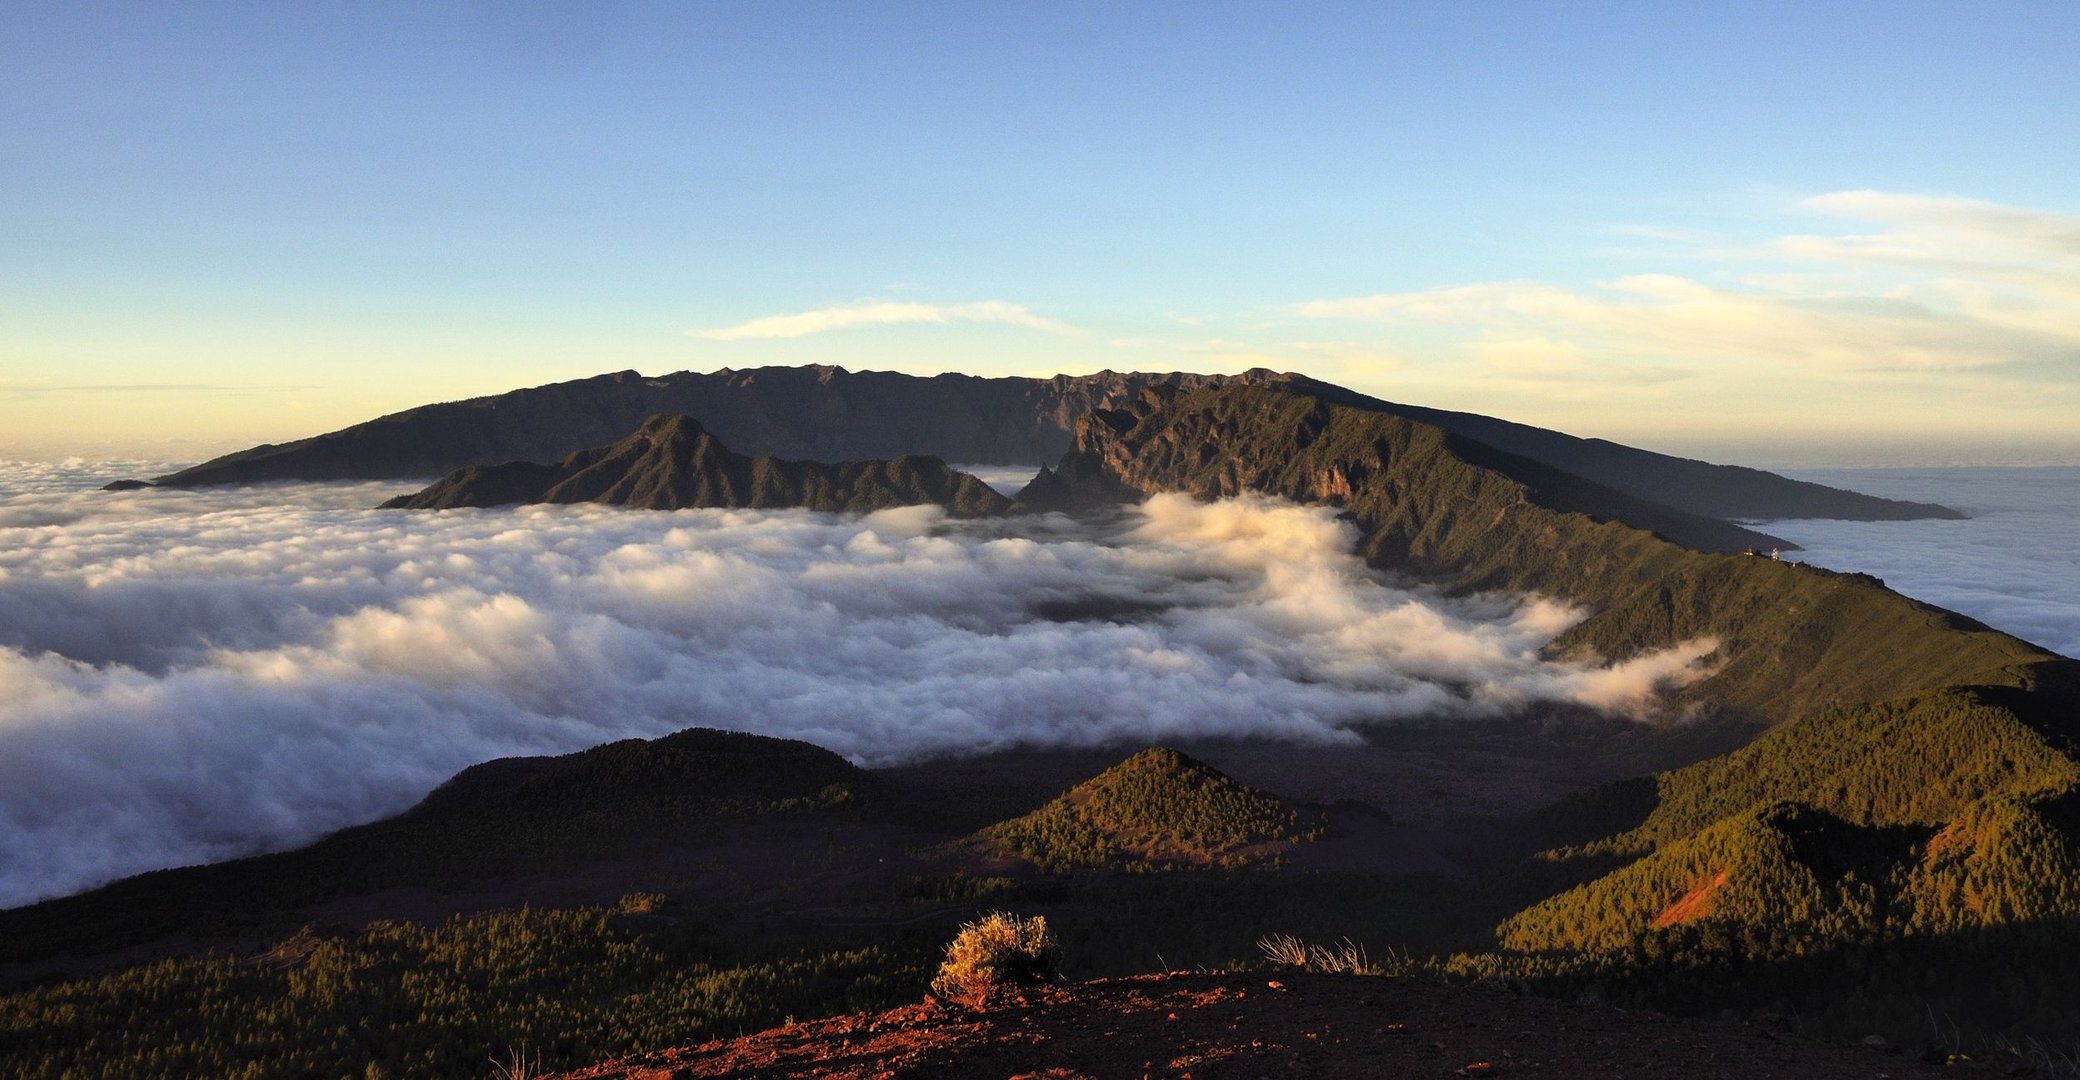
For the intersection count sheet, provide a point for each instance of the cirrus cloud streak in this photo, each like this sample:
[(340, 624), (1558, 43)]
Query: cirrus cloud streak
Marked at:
[(1946, 286), (885, 313)]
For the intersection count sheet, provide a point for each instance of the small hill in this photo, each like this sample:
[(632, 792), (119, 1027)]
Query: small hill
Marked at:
[(1938, 813), (1230, 1024), (1786, 869), (672, 463), (491, 823), (1918, 760), (632, 788), (1157, 809)]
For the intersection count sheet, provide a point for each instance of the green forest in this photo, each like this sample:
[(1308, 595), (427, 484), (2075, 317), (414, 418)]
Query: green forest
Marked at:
[(1157, 809), (403, 999)]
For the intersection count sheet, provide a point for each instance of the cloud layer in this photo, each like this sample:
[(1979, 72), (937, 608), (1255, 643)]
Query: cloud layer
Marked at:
[(194, 675), (2015, 564)]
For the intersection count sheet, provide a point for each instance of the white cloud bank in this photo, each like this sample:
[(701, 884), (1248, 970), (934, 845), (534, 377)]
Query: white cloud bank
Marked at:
[(887, 313), (193, 675), (2014, 564)]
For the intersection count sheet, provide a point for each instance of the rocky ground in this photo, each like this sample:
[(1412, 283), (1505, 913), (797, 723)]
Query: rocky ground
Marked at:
[(1206, 1025)]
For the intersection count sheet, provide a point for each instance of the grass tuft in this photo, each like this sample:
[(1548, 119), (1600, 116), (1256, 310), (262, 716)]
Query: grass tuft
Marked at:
[(1345, 957)]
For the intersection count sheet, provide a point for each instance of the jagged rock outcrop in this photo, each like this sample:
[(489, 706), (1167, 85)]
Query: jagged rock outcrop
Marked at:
[(673, 463), (830, 414)]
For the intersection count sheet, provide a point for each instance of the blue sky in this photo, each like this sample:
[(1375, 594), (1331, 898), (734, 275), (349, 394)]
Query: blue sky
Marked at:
[(1772, 233)]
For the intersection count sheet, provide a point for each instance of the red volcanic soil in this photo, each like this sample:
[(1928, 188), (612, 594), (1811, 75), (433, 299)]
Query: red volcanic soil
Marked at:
[(1238, 1025), (1695, 904)]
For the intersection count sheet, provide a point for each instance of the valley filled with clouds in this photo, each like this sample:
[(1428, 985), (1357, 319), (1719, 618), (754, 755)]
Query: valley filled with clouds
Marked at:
[(195, 675)]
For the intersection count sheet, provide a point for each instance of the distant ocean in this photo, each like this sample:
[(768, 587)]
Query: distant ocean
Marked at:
[(2015, 564)]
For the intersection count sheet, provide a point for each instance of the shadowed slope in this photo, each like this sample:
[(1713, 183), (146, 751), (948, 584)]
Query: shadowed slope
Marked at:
[(815, 412), (490, 823), (672, 463)]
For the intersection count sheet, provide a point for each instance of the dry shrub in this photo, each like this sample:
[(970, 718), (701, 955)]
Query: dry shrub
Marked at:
[(997, 950)]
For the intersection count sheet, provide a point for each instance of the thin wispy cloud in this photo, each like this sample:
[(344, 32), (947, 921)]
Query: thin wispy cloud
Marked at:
[(1945, 230), (10, 386), (885, 313), (1946, 285)]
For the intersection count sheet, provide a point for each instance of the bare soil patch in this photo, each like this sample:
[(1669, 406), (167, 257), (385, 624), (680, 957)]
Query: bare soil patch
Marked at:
[(1220, 1025)]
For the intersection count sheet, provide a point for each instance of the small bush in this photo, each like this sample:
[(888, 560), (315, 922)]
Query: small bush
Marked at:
[(995, 951)]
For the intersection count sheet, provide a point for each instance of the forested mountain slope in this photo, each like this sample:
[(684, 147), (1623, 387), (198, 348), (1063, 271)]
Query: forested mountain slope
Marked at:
[(1792, 638)]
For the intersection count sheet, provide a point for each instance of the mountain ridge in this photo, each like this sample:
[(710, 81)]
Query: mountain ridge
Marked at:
[(815, 412), (673, 463), (827, 413)]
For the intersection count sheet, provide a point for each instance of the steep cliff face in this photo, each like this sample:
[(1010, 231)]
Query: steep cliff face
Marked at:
[(1792, 638), (672, 463), (830, 414)]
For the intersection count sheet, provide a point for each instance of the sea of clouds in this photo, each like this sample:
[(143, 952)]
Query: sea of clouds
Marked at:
[(188, 676), (2014, 564)]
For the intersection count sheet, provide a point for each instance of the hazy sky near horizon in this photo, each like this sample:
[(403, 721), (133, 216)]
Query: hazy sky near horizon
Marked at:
[(1767, 233)]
